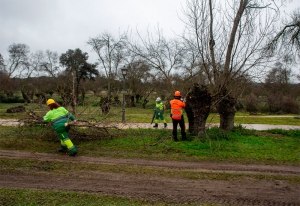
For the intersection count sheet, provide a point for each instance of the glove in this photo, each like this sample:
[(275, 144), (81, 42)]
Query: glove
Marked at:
[(66, 124), (74, 121), (158, 114)]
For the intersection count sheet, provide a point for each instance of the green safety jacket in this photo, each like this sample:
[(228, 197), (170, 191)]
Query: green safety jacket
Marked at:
[(58, 117), (159, 107)]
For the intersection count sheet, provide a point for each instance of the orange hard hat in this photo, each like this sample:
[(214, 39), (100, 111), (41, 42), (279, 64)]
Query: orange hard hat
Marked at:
[(50, 101), (177, 94)]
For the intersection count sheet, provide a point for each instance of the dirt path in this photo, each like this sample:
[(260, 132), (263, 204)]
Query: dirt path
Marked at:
[(161, 188), (15, 122)]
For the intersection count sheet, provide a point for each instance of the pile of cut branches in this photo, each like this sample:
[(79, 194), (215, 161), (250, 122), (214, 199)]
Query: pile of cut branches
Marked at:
[(80, 130)]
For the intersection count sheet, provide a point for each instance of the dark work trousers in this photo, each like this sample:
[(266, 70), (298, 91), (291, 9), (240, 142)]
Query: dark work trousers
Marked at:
[(182, 127)]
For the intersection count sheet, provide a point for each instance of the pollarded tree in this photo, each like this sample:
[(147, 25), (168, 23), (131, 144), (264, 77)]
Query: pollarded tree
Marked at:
[(77, 67), (229, 37)]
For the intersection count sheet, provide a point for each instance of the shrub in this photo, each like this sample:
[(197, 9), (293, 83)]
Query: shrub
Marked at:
[(252, 103), (274, 103), (11, 99), (289, 105)]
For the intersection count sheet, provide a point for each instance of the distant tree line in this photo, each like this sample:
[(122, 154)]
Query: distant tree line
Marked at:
[(229, 53)]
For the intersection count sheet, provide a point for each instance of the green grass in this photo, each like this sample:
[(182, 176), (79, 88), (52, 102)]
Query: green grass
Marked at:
[(240, 145), (25, 197), (139, 115)]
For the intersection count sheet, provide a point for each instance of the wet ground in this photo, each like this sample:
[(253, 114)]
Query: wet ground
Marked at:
[(247, 185), (14, 122)]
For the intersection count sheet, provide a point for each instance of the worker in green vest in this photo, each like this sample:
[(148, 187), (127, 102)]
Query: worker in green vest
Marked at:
[(159, 112), (60, 117)]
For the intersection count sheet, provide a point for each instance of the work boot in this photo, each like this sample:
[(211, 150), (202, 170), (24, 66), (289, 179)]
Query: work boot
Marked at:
[(165, 125), (73, 152), (156, 125), (63, 149)]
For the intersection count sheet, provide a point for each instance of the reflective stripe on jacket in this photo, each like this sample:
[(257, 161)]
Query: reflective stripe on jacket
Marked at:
[(176, 108)]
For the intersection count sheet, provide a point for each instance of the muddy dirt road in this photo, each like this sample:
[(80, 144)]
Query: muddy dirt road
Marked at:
[(246, 191)]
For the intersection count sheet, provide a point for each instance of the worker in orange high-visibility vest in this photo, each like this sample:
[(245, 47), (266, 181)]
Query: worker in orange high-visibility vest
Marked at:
[(177, 107)]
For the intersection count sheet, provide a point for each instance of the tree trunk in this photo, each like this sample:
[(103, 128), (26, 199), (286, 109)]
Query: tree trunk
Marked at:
[(132, 101), (226, 109), (198, 102)]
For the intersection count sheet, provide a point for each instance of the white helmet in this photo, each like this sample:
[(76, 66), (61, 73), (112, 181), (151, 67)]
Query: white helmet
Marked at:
[(158, 99)]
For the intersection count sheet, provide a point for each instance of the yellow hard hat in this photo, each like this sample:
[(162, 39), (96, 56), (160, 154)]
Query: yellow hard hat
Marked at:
[(50, 101)]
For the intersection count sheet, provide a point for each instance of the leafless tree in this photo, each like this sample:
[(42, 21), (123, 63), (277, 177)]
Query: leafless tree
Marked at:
[(229, 37), (50, 64), (164, 57), (286, 42), (287, 39), (110, 52), (18, 59)]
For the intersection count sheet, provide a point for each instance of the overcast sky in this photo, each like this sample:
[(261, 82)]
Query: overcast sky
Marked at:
[(59, 25)]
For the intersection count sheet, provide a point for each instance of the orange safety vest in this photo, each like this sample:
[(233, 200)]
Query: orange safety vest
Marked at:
[(176, 108)]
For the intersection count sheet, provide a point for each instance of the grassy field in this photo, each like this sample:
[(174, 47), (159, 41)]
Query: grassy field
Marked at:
[(140, 115), (241, 145), (23, 197), (272, 147)]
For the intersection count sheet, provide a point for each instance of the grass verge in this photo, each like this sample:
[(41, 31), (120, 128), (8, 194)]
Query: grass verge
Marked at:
[(240, 145)]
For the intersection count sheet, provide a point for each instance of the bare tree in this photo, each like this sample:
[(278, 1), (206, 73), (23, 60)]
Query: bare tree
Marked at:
[(164, 57), (229, 37), (286, 42), (278, 80), (110, 52), (18, 59), (287, 39), (28, 90), (50, 64)]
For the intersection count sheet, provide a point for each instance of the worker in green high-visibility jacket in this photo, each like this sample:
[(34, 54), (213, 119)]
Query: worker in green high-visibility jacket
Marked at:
[(60, 118), (159, 112)]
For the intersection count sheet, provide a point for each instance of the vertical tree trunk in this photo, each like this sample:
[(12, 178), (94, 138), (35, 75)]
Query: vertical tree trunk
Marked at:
[(226, 109), (198, 102)]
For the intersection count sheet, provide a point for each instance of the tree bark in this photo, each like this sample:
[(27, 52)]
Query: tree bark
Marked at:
[(226, 109), (198, 103)]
